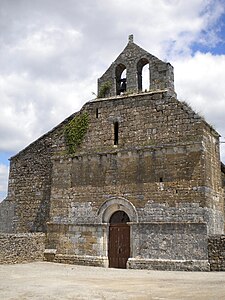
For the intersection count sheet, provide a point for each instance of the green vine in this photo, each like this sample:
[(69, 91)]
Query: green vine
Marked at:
[(75, 131), (104, 89)]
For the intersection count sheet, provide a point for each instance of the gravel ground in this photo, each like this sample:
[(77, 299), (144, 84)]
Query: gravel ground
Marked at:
[(42, 280)]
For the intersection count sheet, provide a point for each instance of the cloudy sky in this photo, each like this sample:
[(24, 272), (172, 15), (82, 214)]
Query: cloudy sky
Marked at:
[(53, 51)]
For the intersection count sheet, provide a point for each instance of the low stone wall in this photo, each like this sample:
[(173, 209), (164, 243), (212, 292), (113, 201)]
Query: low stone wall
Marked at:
[(216, 250), (84, 260), (19, 248), (169, 241), (168, 265), (6, 216)]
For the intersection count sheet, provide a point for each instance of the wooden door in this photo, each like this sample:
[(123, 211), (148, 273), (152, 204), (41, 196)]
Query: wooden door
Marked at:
[(119, 245)]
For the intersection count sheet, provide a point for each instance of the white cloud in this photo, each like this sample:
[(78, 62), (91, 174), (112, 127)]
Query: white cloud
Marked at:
[(29, 108), (4, 170), (200, 81), (168, 27)]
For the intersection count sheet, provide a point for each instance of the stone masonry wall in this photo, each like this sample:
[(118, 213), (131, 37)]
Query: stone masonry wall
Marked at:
[(90, 180), (213, 187), (29, 187), (76, 239), (169, 246), (216, 248), (170, 241), (148, 119), (7, 214), (223, 186), (26, 208), (158, 166), (77, 244), (19, 248), (159, 163)]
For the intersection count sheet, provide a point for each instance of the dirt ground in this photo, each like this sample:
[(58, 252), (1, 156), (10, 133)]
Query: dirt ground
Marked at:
[(42, 280)]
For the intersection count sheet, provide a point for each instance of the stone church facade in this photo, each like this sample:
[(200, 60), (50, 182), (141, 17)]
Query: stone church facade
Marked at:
[(131, 180)]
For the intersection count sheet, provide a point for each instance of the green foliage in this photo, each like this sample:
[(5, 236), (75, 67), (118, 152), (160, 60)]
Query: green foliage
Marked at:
[(75, 131), (104, 89)]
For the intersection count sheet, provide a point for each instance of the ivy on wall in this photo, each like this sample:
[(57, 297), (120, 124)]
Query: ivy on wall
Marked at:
[(75, 131)]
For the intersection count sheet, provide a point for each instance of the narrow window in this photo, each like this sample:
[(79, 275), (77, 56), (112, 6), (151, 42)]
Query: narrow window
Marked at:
[(96, 113), (160, 179), (116, 133)]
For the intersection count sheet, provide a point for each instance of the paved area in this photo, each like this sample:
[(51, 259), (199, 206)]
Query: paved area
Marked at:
[(42, 280)]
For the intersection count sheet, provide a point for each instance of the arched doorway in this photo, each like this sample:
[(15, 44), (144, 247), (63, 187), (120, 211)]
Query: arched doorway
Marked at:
[(119, 240)]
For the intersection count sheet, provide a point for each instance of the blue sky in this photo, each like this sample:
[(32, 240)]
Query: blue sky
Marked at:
[(218, 46), (52, 52)]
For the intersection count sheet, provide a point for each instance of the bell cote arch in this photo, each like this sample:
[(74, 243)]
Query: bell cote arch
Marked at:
[(140, 65), (133, 60), (121, 79)]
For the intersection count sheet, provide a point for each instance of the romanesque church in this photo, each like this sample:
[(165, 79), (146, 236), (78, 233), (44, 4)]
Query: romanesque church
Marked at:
[(132, 180)]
